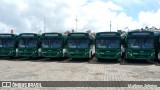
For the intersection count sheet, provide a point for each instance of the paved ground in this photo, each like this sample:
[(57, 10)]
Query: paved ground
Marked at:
[(77, 70)]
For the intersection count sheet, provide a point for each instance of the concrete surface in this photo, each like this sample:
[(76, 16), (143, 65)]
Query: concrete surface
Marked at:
[(76, 70)]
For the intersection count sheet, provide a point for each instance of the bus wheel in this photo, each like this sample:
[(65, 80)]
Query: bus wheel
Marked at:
[(120, 60), (91, 54), (11, 57), (124, 61)]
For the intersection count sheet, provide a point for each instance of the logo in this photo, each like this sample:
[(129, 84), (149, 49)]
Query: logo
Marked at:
[(141, 51), (6, 84), (107, 51), (21, 84)]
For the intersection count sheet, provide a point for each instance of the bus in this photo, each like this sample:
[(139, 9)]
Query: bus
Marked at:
[(157, 44), (28, 45), (52, 45), (80, 45), (8, 45), (140, 45), (108, 45)]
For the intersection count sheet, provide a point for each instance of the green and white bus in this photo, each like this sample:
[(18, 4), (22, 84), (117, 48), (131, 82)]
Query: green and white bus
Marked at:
[(52, 45), (29, 45), (80, 45), (139, 45), (108, 45), (8, 45)]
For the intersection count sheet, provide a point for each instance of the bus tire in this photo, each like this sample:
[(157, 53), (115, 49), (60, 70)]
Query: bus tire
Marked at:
[(91, 54), (12, 57)]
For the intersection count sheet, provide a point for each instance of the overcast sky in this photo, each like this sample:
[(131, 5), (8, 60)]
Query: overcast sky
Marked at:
[(28, 15)]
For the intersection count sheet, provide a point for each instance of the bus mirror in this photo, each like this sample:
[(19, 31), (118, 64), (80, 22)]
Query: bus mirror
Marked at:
[(125, 44), (92, 41)]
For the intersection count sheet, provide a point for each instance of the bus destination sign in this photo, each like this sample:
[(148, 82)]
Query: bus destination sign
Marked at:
[(28, 35), (5, 35), (51, 35), (107, 34), (78, 34), (141, 33)]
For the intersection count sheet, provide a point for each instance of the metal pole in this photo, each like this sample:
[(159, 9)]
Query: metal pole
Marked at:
[(110, 26), (44, 25), (76, 23)]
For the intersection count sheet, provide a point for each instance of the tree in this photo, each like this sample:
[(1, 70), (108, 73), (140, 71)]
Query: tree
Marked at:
[(146, 27)]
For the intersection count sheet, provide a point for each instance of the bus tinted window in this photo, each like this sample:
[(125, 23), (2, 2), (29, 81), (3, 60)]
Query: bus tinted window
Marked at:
[(140, 43), (141, 33), (7, 42), (28, 43), (78, 43), (108, 43), (52, 43)]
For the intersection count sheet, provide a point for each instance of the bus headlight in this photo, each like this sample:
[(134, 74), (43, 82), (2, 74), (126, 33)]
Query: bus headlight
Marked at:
[(59, 52), (153, 54), (86, 53), (101, 53), (11, 51), (118, 53), (130, 54), (35, 51), (97, 53)]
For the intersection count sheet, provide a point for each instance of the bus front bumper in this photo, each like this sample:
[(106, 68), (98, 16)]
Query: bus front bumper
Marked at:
[(7, 52), (135, 56), (28, 53), (52, 54), (108, 54), (78, 53)]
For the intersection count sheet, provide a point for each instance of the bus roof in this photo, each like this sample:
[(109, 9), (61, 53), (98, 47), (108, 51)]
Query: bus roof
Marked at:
[(29, 35), (140, 33), (4, 34), (52, 34), (107, 34), (157, 33), (7, 34), (78, 34)]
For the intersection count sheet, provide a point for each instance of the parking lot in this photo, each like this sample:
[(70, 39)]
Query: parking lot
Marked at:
[(77, 70)]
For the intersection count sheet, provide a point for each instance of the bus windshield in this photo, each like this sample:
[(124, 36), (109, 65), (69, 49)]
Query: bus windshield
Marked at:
[(108, 43), (51, 43), (28, 43), (6, 42), (78, 43), (140, 42)]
